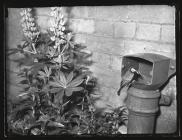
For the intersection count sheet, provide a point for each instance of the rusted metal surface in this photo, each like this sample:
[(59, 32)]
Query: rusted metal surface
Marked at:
[(154, 68), (143, 107), (144, 97)]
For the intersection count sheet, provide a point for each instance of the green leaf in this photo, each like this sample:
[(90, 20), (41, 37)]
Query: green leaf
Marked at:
[(45, 88), (76, 89), (70, 77), (36, 67), (69, 36), (55, 90), (23, 94), (42, 73), (56, 79), (75, 82), (47, 71), (55, 124), (44, 118), (55, 84), (33, 90), (59, 96), (24, 82), (62, 78), (69, 91)]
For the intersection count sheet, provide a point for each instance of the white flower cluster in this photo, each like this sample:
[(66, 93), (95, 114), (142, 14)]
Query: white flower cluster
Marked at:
[(28, 23), (57, 26)]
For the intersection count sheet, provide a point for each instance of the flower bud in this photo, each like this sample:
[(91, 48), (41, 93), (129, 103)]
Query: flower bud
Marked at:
[(53, 38), (55, 47), (63, 28), (52, 29)]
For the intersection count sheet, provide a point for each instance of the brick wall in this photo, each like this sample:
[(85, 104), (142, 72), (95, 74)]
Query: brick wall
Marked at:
[(110, 32)]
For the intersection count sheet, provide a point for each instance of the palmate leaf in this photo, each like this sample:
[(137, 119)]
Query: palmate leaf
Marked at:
[(75, 82), (36, 67), (59, 96), (70, 90), (44, 74), (69, 41), (70, 77), (56, 84), (41, 75), (47, 71), (55, 90), (45, 88), (71, 83), (62, 84), (66, 83), (62, 78), (43, 118), (55, 124), (51, 52)]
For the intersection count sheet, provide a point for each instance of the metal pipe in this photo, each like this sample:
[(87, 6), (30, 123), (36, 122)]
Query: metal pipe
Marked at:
[(143, 106)]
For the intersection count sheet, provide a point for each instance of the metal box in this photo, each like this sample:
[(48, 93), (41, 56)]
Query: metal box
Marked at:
[(154, 69)]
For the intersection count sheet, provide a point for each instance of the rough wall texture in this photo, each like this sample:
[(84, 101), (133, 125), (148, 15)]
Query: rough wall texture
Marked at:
[(110, 33)]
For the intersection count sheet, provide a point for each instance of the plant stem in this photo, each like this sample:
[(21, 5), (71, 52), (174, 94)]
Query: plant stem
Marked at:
[(63, 49), (66, 103), (29, 51), (59, 48), (33, 45)]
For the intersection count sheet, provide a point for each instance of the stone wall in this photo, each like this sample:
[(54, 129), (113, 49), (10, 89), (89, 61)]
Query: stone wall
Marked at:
[(110, 32)]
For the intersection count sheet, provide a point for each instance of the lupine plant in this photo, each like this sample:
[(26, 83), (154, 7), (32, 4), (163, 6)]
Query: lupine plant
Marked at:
[(57, 85)]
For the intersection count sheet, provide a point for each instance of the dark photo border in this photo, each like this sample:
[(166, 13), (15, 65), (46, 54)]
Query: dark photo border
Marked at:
[(49, 3)]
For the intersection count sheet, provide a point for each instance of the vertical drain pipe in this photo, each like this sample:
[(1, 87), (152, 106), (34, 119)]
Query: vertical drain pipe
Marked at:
[(143, 107)]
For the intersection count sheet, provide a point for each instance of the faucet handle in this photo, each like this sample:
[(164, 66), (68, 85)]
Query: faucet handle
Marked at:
[(165, 100)]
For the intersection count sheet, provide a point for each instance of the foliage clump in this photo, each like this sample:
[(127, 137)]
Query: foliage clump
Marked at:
[(57, 85)]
